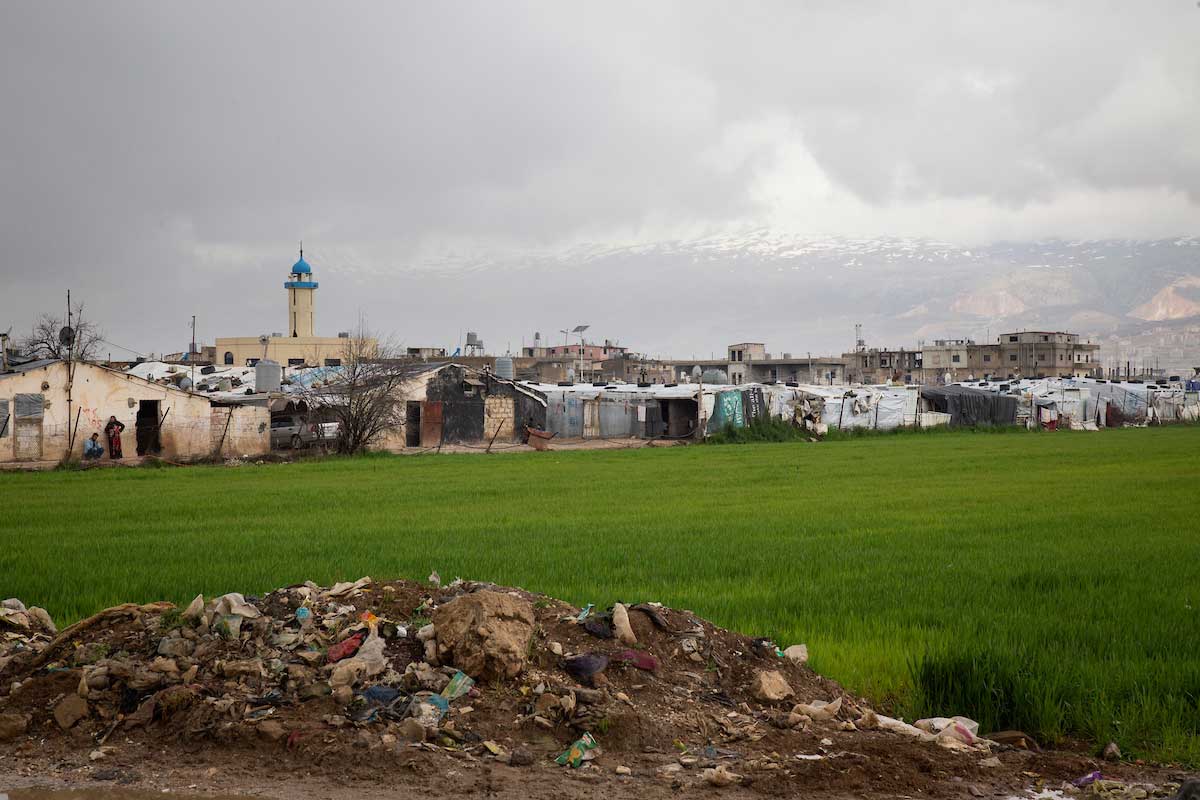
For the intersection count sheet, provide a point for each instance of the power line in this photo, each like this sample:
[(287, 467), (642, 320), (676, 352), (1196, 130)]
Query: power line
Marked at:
[(126, 349)]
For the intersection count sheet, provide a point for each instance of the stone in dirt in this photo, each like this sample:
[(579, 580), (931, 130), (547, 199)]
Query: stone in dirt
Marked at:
[(1112, 752), (271, 730), (485, 634), (621, 627), (770, 687), (822, 711), (12, 726), (410, 730), (70, 710), (520, 757), (797, 654), (719, 776)]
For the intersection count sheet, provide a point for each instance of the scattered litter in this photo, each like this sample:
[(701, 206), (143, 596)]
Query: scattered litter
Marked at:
[(459, 685), (638, 658), (582, 749), (586, 666)]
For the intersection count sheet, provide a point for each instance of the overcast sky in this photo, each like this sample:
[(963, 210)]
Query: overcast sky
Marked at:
[(163, 159)]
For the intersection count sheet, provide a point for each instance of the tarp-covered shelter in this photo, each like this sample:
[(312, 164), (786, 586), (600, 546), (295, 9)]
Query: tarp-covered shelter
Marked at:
[(967, 406)]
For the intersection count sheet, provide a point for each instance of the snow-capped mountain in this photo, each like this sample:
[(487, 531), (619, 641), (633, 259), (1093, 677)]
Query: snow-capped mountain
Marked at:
[(685, 298)]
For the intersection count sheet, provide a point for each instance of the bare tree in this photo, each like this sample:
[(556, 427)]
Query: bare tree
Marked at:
[(364, 394), (44, 340)]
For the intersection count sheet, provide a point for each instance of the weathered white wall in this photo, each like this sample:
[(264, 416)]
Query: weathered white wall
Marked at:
[(98, 393)]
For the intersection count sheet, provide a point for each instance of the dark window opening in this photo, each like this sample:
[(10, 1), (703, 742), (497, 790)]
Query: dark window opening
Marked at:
[(412, 423), (333, 362), (228, 357)]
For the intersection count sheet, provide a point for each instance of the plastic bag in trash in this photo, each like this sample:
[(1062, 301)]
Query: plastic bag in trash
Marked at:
[(459, 685), (582, 749)]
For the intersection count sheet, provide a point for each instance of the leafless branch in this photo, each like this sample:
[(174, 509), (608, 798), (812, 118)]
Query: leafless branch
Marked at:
[(364, 394), (43, 341)]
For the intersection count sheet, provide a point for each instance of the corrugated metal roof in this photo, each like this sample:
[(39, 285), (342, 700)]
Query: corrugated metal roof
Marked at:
[(29, 366)]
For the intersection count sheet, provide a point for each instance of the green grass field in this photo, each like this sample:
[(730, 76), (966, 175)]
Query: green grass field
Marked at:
[(1044, 582)]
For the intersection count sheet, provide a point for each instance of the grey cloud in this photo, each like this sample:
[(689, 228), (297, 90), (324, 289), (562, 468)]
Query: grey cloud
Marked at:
[(159, 157)]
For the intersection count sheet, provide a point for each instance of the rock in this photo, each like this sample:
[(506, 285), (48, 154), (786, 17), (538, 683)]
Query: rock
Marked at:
[(175, 647), (166, 666), (1112, 752), (485, 634), (419, 676), (342, 695), (271, 730), (991, 763), (195, 609), (546, 705), (821, 711), (101, 753), (974, 791), (431, 656), (623, 770), (409, 730), (621, 627), (70, 710), (12, 726), (869, 721), (719, 776), (247, 667), (315, 690), (797, 654), (520, 757), (770, 687), (556, 648), (426, 633), (40, 620)]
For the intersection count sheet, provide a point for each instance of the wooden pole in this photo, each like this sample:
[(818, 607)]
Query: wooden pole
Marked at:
[(494, 435)]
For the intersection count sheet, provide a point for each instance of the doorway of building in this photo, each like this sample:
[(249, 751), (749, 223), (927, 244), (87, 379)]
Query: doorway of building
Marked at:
[(412, 423), (149, 440)]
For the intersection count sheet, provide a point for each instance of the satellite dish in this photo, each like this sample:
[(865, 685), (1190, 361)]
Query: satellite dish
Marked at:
[(66, 336)]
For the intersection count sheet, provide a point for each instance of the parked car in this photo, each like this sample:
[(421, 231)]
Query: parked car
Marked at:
[(294, 431)]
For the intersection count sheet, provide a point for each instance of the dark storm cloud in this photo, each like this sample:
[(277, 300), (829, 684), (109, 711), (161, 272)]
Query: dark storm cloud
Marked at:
[(162, 158)]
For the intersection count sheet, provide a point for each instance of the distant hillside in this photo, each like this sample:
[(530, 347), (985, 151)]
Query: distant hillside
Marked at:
[(800, 293)]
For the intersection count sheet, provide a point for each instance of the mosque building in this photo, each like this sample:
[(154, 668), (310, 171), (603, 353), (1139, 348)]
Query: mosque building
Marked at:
[(300, 346)]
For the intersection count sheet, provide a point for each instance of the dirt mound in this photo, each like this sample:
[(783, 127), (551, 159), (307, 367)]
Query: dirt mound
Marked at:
[(446, 686)]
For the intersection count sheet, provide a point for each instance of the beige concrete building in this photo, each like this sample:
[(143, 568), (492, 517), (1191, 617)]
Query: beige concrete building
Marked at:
[(882, 365), (749, 362), (1048, 353), (300, 346), (37, 420), (947, 360)]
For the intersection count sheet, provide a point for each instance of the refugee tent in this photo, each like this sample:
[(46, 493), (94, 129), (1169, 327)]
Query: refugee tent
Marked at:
[(967, 406)]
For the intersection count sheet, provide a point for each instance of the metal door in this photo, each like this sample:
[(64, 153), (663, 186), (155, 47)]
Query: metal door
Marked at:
[(591, 419), (28, 413), (431, 423)]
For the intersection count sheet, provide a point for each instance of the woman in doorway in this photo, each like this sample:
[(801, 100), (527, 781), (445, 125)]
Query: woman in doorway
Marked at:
[(113, 431)]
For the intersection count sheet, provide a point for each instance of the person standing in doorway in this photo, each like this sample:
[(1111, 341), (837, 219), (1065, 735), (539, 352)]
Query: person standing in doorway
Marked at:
[(113, 431)]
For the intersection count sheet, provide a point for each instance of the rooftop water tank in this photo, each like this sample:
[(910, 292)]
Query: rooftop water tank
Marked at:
[(504, 367), (268, 376)]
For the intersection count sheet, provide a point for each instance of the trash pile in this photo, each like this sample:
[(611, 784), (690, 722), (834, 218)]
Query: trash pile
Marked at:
[(484, 674)]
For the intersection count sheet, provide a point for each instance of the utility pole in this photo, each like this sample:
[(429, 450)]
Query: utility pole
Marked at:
[(70, 378), (192, 351)]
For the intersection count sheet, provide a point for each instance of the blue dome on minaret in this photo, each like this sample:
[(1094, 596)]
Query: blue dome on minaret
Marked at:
[(301, 267)]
